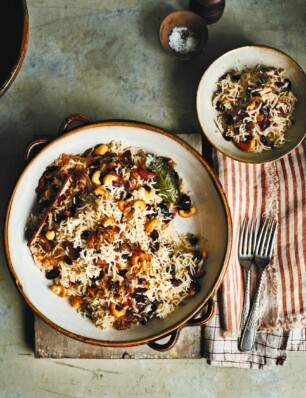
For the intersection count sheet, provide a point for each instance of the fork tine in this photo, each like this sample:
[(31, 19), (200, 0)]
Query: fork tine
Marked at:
[(250, 236), (246, 235), (261, 236), (271, 238), (241, 236), (255, 234)]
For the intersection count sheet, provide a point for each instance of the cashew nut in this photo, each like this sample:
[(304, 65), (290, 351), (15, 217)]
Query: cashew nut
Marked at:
[(139, 204), (95, 178), (116, 313), (50, 235), (137, 257), (110, 178), (247, 146), (121, 205), (108, 221), (186, 214), (150, 225), (76, 301), (101, 149), (101, 191), (60, 290)]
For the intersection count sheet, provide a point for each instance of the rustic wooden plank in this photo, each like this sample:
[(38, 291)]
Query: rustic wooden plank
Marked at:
[(49, 343)]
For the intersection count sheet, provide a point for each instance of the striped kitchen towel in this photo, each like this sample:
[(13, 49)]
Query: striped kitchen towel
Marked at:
[(274, 189)]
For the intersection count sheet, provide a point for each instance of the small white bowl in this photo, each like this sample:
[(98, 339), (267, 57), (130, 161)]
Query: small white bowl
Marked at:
[(249, 57)]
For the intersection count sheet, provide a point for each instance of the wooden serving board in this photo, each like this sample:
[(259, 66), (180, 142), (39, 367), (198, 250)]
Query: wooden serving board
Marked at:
[(49, 343)]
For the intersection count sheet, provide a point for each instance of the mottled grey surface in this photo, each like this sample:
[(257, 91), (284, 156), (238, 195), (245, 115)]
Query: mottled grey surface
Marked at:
[(103, 58)]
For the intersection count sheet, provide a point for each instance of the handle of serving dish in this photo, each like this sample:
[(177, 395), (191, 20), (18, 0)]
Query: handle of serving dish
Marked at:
[(76, 117), (41, 141), (206, 314), (32, 145)]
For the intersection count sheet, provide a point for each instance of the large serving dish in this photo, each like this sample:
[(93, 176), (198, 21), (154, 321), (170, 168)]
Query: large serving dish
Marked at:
[(212, 223), (14, 32), (242, 58)]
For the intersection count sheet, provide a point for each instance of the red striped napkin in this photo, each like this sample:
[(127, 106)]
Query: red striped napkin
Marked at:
[(274, 189)]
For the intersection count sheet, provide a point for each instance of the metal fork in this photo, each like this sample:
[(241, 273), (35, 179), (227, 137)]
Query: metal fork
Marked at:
[(246, 249), (263, 257)]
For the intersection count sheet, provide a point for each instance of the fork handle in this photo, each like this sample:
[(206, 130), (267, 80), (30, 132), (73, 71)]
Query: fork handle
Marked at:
[(249, 333), (246, 299)]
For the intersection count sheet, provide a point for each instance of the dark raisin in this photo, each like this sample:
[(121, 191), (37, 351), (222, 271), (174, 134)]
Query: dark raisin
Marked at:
[(78, 200), (235, 78), (236, 130), (140, 298), (263, 78), (142, 281), (265, 110), (113, 286), (122, 272), (59, 217), (84, 235), (229, 119), (147, 188), (154, 247), (53, 273), (184, 203), (125, 256), (194, 240), (197, 255), (51, 169), (176, 282), (227, 138), (153, 213), (129, 311), (248, 93), (128, 195), (248, 138), (67, 260), (141, 289), (154, 235), (127, 158), (266, 141), (195, 286), (143, 321), (249, 126), (220, 107), (97, 278), (150, 308), (72, 209), (72, 252), (163, 208), (264, 124)]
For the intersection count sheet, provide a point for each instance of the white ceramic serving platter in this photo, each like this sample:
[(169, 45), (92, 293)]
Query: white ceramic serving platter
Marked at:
[(212, 223)]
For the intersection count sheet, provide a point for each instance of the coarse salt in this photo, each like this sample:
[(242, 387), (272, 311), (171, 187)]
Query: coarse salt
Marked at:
[(183, 40)]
